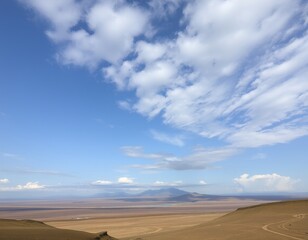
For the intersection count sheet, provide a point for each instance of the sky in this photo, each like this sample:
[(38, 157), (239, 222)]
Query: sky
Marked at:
[(107, 96)]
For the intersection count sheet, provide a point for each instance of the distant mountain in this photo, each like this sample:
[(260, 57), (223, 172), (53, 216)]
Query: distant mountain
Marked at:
[(172, 195), (162, 193), (194, 197), (177, 195)]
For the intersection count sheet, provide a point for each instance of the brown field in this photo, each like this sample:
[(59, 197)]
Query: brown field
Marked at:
[(275, 221), (139, 221), (33, 230), (158, 221), (121, 219), (137, 226)]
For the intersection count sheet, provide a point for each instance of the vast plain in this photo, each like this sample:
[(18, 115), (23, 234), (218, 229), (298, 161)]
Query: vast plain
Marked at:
[(161, 220)]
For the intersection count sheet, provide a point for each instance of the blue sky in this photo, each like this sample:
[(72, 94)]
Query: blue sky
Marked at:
[(102, 96)]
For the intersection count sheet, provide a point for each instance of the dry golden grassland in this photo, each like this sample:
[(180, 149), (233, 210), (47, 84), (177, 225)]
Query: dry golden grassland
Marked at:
[(121, 219), (275, 221), (34, 230), (137, 226), (157, 221)]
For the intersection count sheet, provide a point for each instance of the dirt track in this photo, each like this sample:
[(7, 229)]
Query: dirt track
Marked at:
[(283, 225), (137, 226)]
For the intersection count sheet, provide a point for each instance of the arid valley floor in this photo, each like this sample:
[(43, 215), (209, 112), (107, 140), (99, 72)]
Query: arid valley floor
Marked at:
[(155, 220)]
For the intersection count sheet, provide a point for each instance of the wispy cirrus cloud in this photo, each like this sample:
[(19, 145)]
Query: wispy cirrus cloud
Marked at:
[(239, 78), (177, 140), (11, 156), (218, 93), (33, 171), (137, 152), (102, 182), (200, 158)]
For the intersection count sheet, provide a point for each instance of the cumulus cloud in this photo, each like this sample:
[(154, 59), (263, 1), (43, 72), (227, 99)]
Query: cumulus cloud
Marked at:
[(4, 180), (30, 186), (61, 14), (202, 182), (225, 74), (111, 27), (265, 183), (125, 180)]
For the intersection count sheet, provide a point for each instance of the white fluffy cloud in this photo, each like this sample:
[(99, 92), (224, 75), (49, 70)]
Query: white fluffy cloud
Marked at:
[(265, 183), (108, 36), (109, 42), (61, 14), (30, 186), (202, 182), (234, 70), (125, 180), (4, 180)]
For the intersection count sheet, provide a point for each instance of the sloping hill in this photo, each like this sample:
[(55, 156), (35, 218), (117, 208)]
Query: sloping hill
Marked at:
[(274, 221), (30, 230)]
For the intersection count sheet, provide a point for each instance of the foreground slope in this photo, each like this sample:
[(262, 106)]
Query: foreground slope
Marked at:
[(30, 230), (273, 221)]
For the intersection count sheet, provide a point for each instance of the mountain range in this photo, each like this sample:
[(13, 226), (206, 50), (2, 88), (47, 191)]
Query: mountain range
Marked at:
[(177, 195)]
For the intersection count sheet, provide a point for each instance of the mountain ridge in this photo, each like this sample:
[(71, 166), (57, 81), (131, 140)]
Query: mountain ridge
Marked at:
[(162, 192)]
